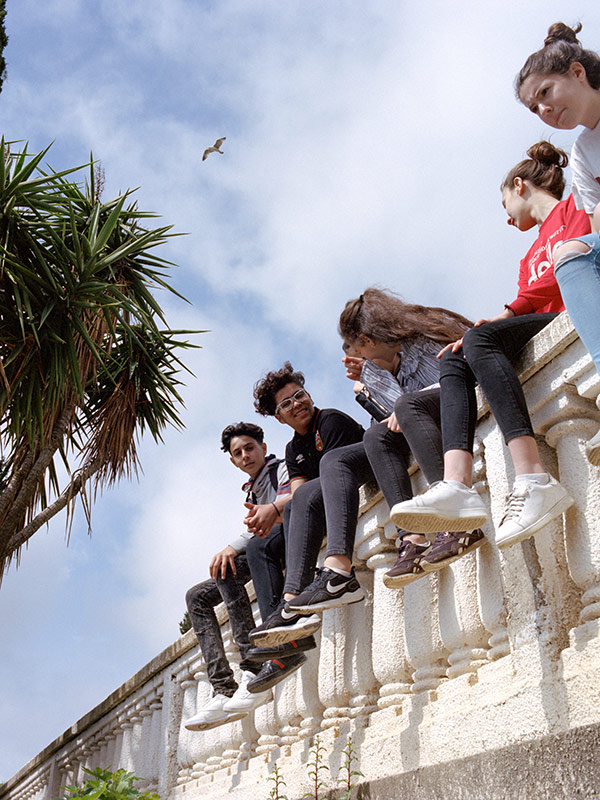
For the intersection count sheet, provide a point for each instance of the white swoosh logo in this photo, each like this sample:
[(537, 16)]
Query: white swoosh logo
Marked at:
[(286, 614), (332, 589)]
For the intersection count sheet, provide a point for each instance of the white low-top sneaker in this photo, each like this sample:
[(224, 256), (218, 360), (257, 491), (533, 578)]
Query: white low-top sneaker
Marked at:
[(212, 714), (530, 507), (592, 450), (443, 507), (245, 702)]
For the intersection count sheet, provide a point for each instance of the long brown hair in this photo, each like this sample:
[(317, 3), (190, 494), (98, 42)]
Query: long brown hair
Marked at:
[(561, 49), (384, 317), (544, 168)]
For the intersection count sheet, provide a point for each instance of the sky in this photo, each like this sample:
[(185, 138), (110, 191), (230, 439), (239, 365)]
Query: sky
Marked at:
[(366, 144)]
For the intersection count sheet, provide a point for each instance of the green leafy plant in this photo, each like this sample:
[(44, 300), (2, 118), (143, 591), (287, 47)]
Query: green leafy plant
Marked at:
[(107, 785), (278, 783), (315, 768), (87, 361), (185, 624), (345, 781)]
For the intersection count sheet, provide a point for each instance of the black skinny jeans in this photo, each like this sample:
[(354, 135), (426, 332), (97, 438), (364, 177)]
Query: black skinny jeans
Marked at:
[(486, 358), (418, 414), (201, 601)]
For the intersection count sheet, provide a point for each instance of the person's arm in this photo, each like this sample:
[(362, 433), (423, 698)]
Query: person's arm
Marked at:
[(296, 483), (595, 219)]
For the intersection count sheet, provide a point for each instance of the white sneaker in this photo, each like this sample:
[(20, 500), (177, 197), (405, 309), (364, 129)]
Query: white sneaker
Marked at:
[(443, 507), (243, 701), (530, 507), (213, 714), (592, 450)]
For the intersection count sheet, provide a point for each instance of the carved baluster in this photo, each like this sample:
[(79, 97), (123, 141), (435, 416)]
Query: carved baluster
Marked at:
[(388, 648), (425, 650), (358, 655), (461, 627), (333, 693), (310, 708), (195, 693)]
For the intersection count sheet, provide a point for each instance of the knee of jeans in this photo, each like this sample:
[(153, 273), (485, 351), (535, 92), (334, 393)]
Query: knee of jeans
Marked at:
[(374, 434), (329, 460), (450, 361), (475, 337), (569, 250), (404, 405), (195, 594), (254, 546)]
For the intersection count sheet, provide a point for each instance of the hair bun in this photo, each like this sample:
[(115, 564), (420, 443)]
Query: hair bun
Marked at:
[(546, 153), (559, 32)]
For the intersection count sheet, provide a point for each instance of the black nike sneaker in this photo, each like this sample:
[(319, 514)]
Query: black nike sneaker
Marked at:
[(328, 590), (284, 626), (274, 671), (262, 654)]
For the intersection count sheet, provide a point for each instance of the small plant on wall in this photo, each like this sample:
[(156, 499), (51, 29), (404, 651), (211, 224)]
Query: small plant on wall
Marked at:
[(347, 773), (315, 768), (107, 785), (278, 784)]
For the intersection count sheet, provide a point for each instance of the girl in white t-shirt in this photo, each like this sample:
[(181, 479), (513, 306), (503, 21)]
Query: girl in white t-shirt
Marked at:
[(561, 84)]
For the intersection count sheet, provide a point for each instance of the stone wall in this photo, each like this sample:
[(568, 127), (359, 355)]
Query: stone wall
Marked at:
[(480, 681)]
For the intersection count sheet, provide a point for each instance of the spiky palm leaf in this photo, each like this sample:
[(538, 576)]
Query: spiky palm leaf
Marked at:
[(87, 361)]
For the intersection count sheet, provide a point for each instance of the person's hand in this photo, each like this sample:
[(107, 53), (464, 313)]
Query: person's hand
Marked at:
[(353, 367), (454, 346), (260, 519), (392, 423), (221, 561)]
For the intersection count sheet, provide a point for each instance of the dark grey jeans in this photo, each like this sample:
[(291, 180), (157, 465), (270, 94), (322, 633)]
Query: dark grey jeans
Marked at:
[(487, 357), (201, 602), (266, 559)]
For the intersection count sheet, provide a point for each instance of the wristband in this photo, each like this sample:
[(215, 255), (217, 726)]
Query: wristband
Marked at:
[(276, 509)]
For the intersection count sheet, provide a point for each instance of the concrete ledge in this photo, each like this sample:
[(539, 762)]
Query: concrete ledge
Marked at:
[(563, 766)]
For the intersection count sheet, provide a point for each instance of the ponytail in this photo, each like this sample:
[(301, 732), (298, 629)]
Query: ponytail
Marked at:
[(543, 168), (561, 49)]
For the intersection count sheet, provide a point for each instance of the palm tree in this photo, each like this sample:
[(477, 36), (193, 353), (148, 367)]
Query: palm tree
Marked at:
[(87, 361)]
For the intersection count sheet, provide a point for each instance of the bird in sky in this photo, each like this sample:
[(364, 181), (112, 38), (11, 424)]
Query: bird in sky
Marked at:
[(214, 148)]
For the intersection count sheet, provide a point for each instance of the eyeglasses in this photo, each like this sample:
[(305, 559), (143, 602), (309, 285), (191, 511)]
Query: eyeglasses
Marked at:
[(287, 404)]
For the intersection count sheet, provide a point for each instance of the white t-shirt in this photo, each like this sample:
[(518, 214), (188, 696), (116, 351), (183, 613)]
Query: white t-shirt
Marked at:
[(585, 166)]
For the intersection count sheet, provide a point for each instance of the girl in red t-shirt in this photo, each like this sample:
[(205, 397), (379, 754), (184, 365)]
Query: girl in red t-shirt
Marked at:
[(531, 195)]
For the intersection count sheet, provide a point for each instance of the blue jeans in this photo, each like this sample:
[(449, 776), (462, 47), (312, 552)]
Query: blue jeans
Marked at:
[(578, 277)]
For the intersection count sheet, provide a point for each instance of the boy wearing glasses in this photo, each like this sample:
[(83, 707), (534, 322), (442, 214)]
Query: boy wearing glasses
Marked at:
[(316, 432)]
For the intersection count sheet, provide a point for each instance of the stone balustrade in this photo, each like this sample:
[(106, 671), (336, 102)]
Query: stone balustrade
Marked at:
[(483, 675)]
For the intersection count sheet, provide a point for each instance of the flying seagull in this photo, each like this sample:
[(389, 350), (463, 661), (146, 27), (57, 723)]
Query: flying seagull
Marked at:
[(214, 148)]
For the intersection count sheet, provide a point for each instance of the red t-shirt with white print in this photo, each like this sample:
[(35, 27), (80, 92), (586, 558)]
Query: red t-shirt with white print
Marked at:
[(538, 290)]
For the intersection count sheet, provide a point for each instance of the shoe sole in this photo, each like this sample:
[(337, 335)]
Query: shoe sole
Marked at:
[(257, 704), (398, 581), (429, 520), (335, 602), (558, 508), (206, 726), (300, 648), (278, 677), (435, 565), (284, 634)]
